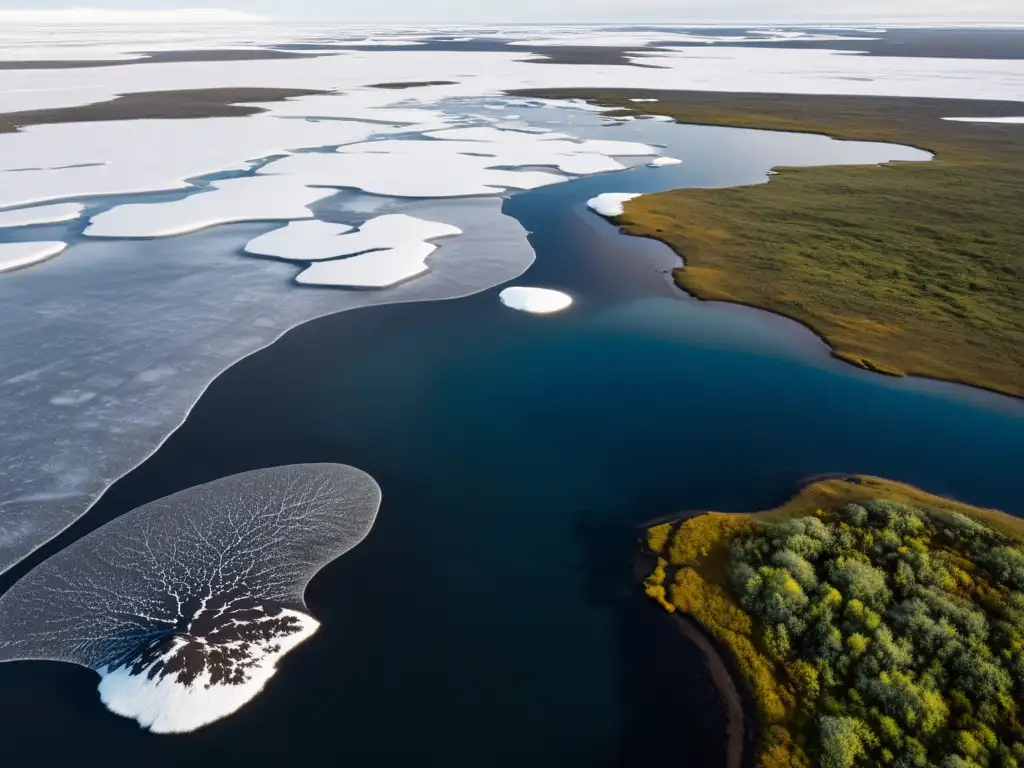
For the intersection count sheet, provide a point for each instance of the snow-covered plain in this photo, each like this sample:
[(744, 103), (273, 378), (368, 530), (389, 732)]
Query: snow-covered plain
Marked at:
[(19, 255), (149, 325), (536, 301), (610, 204)]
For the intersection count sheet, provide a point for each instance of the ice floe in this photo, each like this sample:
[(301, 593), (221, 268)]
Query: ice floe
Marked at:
[(985, 119), (610, 204), (661, 162), (386, 250), (300, 241), (536, 301), (46, 214), (250, 198), (98, 376), (17, 255), (185, 605)]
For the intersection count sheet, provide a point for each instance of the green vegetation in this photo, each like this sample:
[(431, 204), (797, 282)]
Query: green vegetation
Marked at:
[(913, 268), (874, 624)]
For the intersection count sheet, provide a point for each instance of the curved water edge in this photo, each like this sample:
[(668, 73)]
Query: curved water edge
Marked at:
[(261, 308), (535, 425), (185, 605)]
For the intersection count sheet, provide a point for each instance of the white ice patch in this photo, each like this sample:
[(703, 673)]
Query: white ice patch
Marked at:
[(985, 119), (643, 101), (164, 704), (300, 241), (46, 214), (386, 250), (662, 162), (250, 198), (536, 301), (610, 204), (377, 269), (17, 255)]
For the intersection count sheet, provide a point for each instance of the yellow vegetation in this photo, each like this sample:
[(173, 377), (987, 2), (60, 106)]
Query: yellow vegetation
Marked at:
[(657, 536), (698, 552)]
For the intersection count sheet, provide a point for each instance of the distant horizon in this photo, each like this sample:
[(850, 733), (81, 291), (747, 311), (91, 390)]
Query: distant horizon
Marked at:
[(55, 15)]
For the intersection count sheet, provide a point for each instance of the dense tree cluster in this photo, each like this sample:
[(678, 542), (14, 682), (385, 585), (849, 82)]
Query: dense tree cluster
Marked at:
[(900, 632)]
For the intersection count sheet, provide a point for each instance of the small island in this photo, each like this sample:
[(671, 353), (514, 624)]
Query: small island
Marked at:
[(871, 622)]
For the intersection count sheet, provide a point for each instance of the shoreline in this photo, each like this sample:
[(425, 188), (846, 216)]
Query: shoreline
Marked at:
[(950, 150)]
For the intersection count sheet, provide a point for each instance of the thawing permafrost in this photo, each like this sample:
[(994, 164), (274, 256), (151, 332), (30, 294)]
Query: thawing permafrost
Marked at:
[(17, 255), (45, 214), (610, 204), (185, 605), (249, 198), (536, 301), (386, 250)]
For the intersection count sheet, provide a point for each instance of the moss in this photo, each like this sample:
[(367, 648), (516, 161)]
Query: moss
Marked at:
[(907, 268)]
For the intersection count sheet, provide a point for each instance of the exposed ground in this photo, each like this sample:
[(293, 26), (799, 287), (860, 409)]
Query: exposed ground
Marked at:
[(908, 268), (158, 105)]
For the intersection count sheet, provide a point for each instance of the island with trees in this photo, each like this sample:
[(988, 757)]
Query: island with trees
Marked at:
[(872, 623)]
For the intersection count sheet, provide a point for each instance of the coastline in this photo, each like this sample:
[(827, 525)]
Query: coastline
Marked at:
[(881, 338)]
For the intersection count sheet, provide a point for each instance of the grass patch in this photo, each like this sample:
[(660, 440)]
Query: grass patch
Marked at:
[(823, 630), (907, 268)]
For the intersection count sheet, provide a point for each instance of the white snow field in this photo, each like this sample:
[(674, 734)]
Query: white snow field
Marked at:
[(610, 204), (19, 255), (45, 214), (536, 301), (112, 348), (663, 162)]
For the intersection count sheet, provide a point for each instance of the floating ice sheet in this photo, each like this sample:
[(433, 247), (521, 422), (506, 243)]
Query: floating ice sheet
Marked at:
[(107, 348), (45, 214), (663, 162), (536, 301), (392, 248), (610, 204), (185, 605), (250, 198), (18, 255)]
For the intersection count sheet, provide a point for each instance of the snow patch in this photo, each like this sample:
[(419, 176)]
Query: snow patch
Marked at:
[(386, 250), (250, 198), (46, 214), (536, 301), (662, 162), (17, 255), (610, 204), (165, 704), (985, 119)]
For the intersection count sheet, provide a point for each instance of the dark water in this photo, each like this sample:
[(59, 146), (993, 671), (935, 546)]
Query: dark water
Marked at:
[(489, 618)]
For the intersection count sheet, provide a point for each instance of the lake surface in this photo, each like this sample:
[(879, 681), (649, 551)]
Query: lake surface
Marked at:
[(489, 619)]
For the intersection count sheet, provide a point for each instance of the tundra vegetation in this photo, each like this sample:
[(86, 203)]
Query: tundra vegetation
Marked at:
[(905, 268), (874, 624)]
